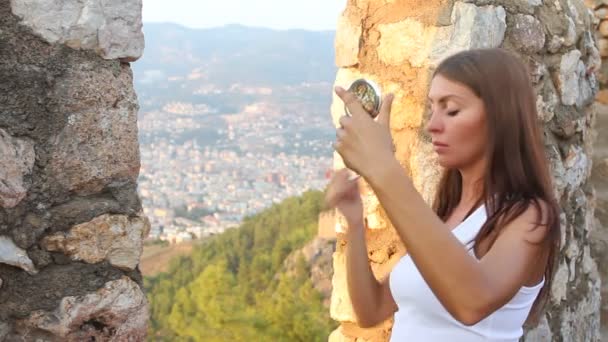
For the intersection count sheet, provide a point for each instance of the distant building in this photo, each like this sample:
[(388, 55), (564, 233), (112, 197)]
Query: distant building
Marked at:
[(183, 237)]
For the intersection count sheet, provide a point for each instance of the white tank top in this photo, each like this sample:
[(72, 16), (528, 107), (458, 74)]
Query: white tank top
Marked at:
[(421, 317)]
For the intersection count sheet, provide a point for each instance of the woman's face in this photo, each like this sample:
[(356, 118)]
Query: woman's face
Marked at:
[(457, 124)]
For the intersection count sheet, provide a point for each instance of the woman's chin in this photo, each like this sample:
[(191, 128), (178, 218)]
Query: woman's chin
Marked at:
[(447, 163), (444, 162)]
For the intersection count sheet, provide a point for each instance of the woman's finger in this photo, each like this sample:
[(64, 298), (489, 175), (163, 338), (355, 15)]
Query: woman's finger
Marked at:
[(340, 133), (384, 115), (351, 101), (339, 187), (337, 146), (334, 194), (344, 121)]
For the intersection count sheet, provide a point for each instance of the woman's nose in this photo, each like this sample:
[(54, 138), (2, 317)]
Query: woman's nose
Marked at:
[(434, 125)]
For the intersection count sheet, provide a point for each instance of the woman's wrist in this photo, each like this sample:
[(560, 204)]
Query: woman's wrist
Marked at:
[(383, 171), (355, 227)]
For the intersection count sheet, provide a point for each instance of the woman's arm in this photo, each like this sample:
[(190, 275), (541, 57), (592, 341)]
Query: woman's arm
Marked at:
[(372, 300), (468, 288)]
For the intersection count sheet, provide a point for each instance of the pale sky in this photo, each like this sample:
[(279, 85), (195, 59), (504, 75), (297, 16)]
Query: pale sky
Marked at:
[(277, 14)]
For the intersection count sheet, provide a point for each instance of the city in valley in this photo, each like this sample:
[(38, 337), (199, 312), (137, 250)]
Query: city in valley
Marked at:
[(203, 171), (228, 127)]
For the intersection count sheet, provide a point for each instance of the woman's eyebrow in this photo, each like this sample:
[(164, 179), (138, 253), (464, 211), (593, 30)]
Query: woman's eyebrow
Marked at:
[(446, 97)]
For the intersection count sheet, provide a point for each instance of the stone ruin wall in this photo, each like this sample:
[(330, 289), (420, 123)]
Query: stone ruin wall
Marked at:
[(71, 223)]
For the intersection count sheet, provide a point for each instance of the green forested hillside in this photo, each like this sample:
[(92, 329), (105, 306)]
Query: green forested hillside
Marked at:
[(230, 288)]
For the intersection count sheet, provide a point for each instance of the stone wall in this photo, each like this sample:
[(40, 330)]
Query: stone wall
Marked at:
[(600, 10), (71, 224), (327, 225), (599, 178), (398, 43), (599, 175)]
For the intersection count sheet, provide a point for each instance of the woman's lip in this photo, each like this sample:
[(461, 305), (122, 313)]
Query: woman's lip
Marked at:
[(438, 144), (440, 148)]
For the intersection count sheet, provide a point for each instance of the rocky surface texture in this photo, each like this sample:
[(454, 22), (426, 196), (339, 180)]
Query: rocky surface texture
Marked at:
[(71, 227)]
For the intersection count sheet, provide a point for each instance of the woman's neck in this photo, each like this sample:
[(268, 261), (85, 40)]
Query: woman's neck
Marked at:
[(472, 184)]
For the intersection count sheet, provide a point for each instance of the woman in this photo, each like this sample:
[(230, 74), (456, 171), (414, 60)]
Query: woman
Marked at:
[(480, 262)]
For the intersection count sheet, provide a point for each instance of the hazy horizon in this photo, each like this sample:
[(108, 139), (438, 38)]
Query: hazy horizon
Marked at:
[(235, 24), (313, 15)]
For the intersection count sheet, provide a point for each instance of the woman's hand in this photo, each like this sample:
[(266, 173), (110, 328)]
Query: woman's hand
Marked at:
[(343, 193), (363, 143)]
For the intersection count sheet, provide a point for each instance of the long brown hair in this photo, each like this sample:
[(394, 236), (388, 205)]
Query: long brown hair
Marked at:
[(517, 174)]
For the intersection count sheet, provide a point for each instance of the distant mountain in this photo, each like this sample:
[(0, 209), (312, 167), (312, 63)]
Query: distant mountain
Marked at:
[(236, 54)]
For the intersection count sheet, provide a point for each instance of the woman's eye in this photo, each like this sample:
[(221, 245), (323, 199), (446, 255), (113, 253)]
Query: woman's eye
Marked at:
[(453, 112), (428, 111)]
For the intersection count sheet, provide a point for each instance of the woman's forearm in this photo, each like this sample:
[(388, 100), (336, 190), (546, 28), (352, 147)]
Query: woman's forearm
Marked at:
[(453, 275), (363, 288)]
